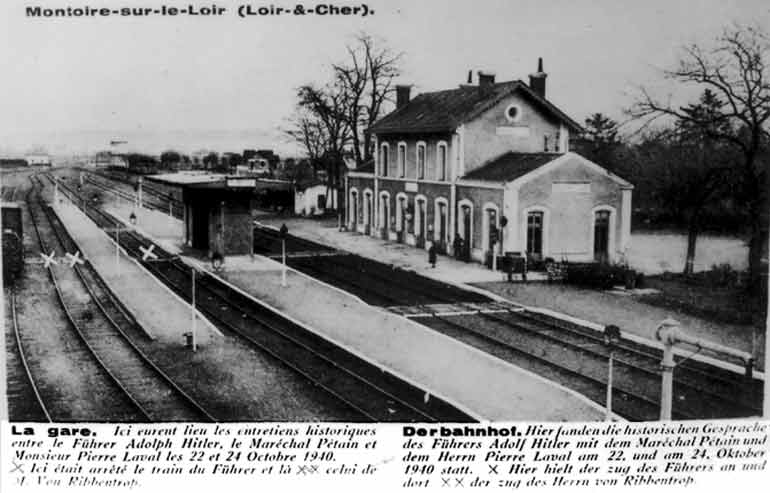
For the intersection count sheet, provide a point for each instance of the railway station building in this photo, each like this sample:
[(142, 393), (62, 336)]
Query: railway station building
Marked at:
[(485, 168)]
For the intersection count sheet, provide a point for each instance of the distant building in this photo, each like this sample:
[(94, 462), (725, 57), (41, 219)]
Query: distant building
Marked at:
[(38, 159), (13, 163), (314, 199), (105, 159)]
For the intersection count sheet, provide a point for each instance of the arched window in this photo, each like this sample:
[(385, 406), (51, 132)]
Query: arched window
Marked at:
[(401, 159), (490, 223), (384, 159), (353, 209), (368, 209), (421, 216), (402, 206), (441, 217), (384, 210), (442, 161), (420, 159)]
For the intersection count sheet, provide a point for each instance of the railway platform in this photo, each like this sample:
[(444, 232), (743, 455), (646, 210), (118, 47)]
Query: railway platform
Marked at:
[(440, 364), (590, 309), (160, 312), (408, 257)]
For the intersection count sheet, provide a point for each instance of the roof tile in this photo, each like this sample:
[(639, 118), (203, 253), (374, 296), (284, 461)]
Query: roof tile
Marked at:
[(511, 165), (443, 111)]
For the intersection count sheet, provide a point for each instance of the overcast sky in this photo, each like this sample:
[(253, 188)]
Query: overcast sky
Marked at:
[(227, 83)]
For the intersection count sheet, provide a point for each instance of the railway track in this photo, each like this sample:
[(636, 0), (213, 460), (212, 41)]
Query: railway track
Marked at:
[(373, 393), (114, 403), (568, 353), (24, 400), (372, 281), (152, 199), (103, 324)]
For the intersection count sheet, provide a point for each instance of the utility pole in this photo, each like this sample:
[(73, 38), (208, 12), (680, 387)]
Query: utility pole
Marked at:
[(192, 305)]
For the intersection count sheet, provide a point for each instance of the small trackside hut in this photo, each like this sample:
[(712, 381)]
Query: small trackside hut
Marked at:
[(218, 209)]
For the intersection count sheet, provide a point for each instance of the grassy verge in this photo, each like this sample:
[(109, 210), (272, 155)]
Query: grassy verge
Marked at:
[(700, 296)]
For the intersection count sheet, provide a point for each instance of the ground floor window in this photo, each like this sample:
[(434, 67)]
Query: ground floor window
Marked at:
[(385, 211), (354, 207)]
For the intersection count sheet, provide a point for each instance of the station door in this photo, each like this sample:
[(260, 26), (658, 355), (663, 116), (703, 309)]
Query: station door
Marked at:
[(200, 228)]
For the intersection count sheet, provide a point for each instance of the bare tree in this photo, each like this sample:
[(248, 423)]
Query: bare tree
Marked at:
[(320, 126), (307, 131), (366, 78), (736, 70)]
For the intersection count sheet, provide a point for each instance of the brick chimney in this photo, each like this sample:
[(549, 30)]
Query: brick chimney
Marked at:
[(486, 79), (537, 80), (402, 95)]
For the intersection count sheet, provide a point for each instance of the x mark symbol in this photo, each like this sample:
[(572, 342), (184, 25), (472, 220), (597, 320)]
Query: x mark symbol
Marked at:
[(74, 259), (49, 259), (148, 252)]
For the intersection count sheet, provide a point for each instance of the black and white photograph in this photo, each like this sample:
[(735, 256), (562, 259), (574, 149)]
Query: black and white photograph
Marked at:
[(390, 212)]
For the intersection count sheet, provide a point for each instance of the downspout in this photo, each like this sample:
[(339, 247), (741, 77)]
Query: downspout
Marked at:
[(458, 149), (376, 198)]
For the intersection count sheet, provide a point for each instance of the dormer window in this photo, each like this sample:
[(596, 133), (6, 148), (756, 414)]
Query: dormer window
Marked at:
[(513, 113)]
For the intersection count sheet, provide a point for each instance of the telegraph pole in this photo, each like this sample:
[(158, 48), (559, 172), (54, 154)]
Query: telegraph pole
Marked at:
[(192, 305)]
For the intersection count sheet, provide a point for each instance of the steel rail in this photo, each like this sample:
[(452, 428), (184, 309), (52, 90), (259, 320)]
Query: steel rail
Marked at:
[(23, 358), (111, 296), (77, 328), (278, 332)]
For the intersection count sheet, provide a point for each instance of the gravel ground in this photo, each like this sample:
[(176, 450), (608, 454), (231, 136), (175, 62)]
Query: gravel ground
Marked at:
[(629, 314)]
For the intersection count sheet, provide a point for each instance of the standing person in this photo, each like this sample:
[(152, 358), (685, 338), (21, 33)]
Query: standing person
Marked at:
[(432, 255)]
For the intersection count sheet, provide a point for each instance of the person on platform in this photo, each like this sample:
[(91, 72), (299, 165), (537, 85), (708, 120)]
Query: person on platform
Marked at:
[(432, 255)]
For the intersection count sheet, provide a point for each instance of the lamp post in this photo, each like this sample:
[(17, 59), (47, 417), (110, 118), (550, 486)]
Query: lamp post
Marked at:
[(284, 230), (611, 338), (192, 306)]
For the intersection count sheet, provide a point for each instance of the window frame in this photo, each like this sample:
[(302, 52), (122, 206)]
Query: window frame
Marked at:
[(401, 158), (420, 166), (384, 158), (442, 169)]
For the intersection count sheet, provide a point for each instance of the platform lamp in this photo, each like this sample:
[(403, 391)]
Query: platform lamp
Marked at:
[(611, 339), (217, 260), (132, 219)]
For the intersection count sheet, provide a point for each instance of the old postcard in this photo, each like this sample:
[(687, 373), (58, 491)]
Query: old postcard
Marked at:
[(390, 245)]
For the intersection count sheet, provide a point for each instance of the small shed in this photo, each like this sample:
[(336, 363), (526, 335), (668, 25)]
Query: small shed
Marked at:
[(314, 199)]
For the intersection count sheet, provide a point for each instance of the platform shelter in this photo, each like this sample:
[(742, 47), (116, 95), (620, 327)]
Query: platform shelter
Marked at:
[(218, 209)]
